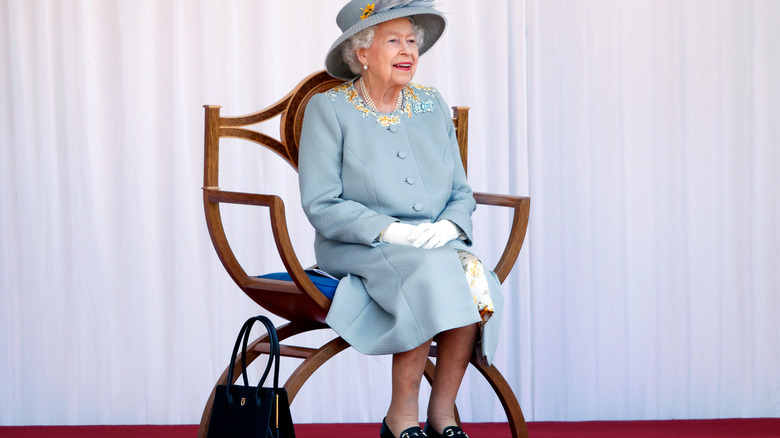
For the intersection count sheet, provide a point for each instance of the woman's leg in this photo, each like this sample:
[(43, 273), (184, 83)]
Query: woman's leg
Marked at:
[(407, 372), (454, 349)]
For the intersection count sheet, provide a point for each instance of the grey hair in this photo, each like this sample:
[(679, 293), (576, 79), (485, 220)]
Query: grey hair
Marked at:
[(364, 39)]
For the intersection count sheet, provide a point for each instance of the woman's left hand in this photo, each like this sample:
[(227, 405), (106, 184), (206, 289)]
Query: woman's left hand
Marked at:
[(429, 236)]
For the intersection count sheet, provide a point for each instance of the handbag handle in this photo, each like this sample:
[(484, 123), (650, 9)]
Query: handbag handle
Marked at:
[(274, 354), (274, 350)]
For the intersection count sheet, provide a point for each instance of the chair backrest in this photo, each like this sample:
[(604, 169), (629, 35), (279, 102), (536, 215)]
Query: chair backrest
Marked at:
[(300, 299)]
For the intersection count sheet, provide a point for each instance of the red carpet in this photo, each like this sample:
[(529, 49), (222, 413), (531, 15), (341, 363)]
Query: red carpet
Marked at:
[(754, 427)]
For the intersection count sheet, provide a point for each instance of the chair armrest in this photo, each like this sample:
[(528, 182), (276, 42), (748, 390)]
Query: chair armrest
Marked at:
[(521, 206), (281, 236)]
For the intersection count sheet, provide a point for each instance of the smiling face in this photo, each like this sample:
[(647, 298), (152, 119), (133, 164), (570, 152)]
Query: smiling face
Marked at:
[(392, 57)]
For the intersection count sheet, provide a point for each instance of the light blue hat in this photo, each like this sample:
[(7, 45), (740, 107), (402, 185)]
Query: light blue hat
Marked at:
[(361, 14)]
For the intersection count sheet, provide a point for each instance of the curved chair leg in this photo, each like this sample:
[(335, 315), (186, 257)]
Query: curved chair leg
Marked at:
[(285, 331), (507, 397), (311, 364), (502, 389)]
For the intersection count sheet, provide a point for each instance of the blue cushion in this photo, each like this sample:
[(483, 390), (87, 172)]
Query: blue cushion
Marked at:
[(326, 285)]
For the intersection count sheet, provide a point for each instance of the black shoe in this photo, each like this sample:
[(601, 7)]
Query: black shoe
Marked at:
[(412, 432), (449, 431)]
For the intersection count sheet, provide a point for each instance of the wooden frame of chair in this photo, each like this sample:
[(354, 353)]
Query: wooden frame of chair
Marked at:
[(299, 301)]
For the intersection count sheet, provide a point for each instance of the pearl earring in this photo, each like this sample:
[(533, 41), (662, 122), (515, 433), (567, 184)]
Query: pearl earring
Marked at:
[(365, 67)]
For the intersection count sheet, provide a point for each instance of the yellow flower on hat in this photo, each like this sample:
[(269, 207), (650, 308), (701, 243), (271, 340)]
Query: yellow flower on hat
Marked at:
[(367, 11)]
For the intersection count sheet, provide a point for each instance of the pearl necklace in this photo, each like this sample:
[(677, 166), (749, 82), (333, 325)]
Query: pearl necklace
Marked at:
[(370, 102)]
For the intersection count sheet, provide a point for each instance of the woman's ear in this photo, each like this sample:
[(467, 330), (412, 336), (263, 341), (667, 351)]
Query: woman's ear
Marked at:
[(361, 55)]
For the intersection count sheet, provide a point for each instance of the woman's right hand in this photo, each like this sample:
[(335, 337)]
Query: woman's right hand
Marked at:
[(397, 233), (434, 235), (425, 235)]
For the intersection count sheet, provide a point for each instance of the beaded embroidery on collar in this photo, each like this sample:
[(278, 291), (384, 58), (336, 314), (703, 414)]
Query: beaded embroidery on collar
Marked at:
[(413, 104)]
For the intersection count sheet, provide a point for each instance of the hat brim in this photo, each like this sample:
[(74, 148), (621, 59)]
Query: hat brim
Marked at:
[(429, 19)]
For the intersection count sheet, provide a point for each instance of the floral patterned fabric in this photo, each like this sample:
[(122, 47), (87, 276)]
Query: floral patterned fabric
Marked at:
[(480, 289)]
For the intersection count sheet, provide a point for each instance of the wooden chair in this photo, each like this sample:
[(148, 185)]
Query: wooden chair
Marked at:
[(299, 301)]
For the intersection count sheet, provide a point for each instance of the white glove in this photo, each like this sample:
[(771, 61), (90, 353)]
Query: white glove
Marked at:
[(434, 235), (397, 232)]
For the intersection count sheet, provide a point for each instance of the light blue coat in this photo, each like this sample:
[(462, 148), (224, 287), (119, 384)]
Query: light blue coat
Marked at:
[(359, 172)]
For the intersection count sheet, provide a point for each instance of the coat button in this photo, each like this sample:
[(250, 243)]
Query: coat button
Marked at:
[(409, 180), (417, 207), (392, 128), (401, 154)]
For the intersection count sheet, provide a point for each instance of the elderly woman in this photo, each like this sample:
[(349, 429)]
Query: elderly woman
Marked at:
[(384, 187)]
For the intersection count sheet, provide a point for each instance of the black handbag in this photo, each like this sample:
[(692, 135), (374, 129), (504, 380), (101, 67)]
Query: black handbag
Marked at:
[(249, 411)]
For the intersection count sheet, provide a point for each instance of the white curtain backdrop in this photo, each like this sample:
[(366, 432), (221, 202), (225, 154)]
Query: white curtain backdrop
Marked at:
[(644, 131), (654, 159)]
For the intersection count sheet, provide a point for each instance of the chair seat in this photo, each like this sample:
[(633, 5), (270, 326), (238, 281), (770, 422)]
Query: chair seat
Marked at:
[(326, 285)]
